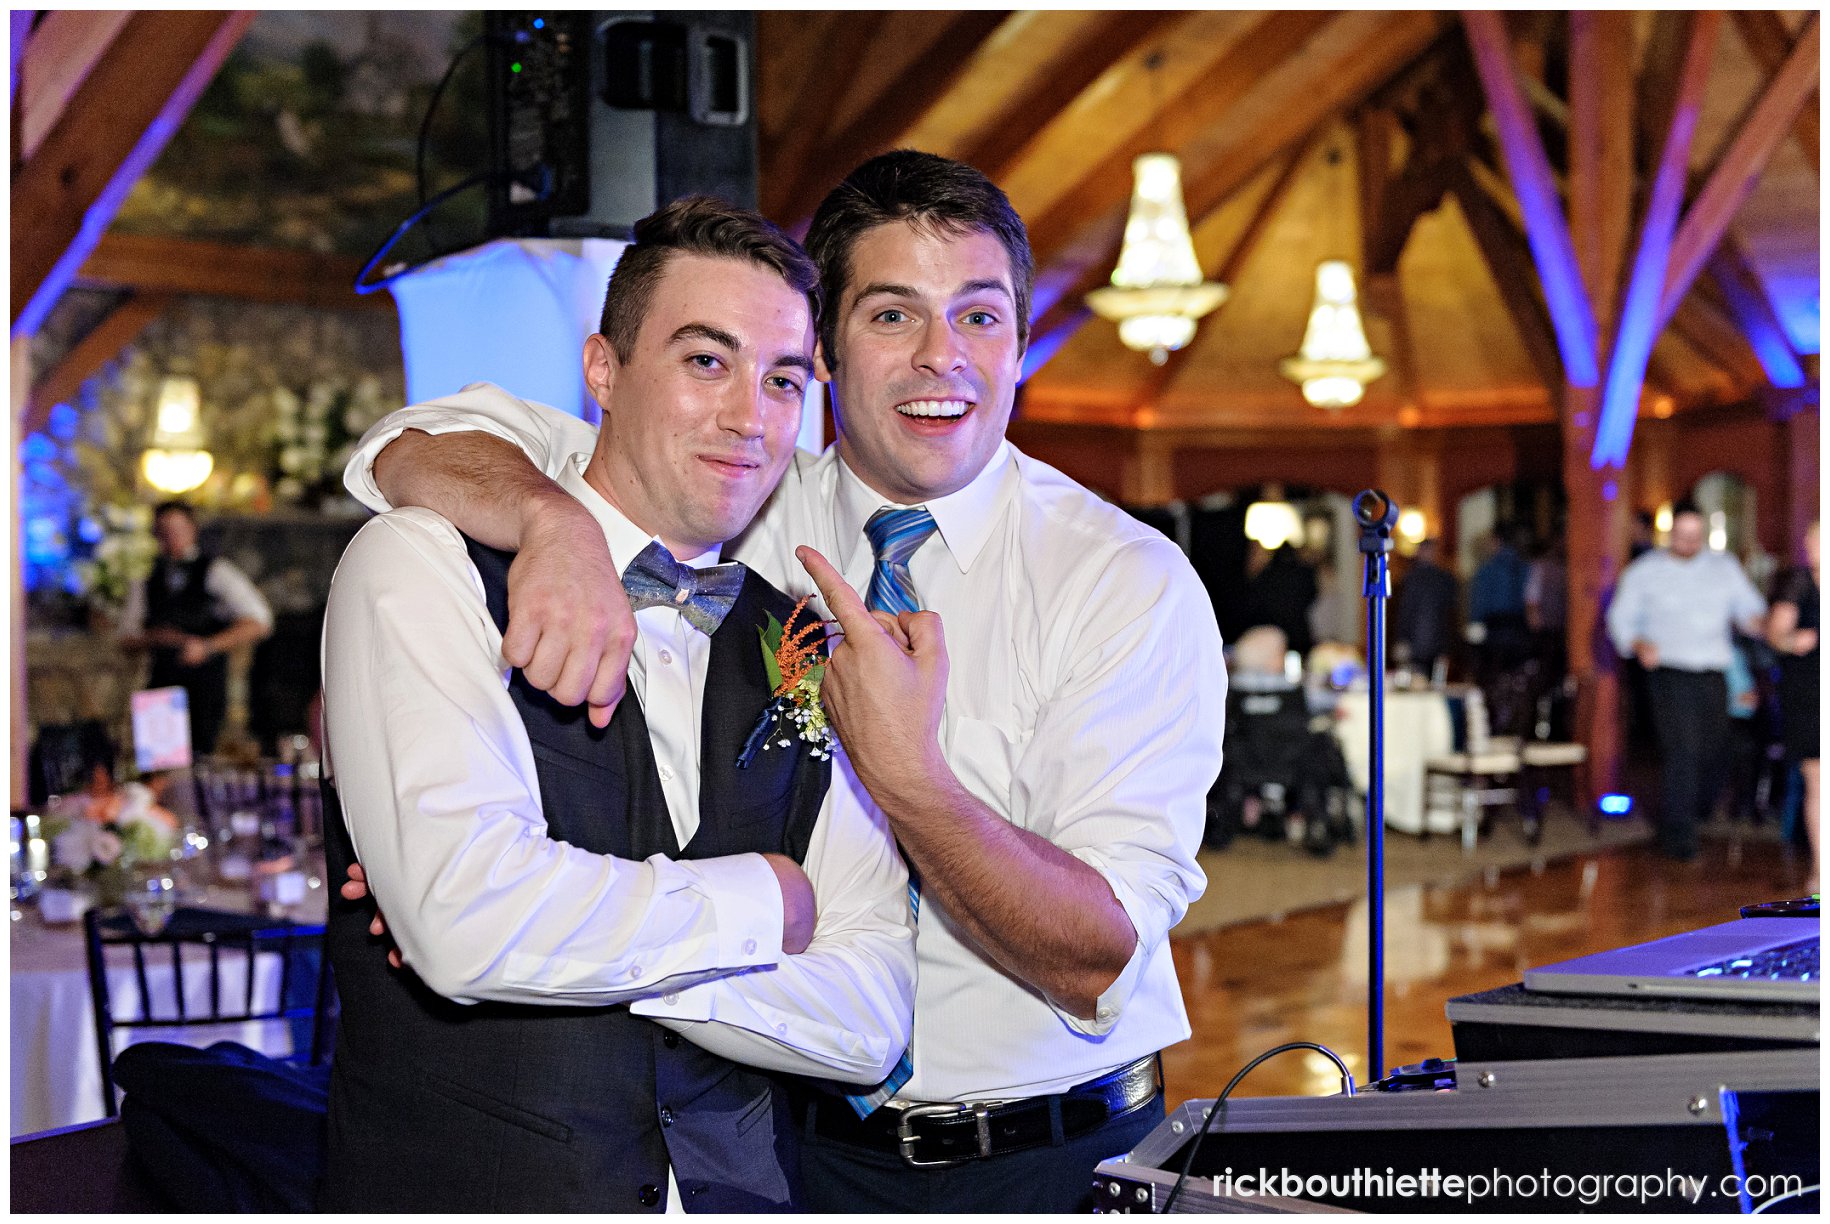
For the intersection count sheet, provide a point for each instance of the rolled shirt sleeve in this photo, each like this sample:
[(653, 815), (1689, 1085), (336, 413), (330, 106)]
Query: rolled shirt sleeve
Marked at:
[(439, 789), (1124, 753), (841, 1009), (546, 435), (236, 594)]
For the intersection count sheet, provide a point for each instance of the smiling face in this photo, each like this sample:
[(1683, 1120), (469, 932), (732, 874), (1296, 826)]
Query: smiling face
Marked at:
[(1687, 534), (927, 330), (700, 421)]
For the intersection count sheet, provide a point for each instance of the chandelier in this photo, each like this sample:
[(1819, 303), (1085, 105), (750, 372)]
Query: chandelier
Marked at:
[(176, 462), (1335, 362), (1157, 291)]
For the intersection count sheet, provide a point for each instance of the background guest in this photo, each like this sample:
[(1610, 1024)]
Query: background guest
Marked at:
[(1281, 594), (1424, 612), (1675, 612), (1792, 628), (190, 612)]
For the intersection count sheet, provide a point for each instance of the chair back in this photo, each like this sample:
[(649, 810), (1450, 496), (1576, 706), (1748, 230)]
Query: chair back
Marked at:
[(304, 997)]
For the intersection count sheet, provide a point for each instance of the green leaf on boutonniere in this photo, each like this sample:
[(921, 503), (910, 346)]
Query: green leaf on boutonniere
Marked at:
[(815, 674), (771, 641)]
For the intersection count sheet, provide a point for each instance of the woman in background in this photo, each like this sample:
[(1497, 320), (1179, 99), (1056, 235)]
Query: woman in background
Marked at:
[(1792, 628)]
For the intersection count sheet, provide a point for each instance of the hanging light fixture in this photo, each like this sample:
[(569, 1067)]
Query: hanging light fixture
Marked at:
[(1157, 291), (1335, 363), (176, 461)]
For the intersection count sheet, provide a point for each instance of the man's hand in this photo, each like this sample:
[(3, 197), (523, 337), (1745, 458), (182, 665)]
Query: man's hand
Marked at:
[(798, 909), (570, 630), (1646, 653), (885, 686), (356, 888), (194, 651)]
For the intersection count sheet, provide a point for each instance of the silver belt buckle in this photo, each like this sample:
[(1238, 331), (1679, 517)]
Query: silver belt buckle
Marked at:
[(906, 1137)]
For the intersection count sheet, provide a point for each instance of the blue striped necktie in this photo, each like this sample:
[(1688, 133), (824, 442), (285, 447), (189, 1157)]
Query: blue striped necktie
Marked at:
[(894, 537)]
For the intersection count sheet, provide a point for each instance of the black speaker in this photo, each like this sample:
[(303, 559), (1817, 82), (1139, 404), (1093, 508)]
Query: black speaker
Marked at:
[(598, 118)]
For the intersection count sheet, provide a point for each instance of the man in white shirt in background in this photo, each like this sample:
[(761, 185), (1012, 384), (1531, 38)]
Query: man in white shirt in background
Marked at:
[(644, 871), (1044, 769), (1676, 610), (190, 612)]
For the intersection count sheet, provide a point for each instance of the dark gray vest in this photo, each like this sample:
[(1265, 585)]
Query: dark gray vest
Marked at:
[(437, 1106)]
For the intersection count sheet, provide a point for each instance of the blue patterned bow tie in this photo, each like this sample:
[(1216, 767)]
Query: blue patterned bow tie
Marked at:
[(703, 596)]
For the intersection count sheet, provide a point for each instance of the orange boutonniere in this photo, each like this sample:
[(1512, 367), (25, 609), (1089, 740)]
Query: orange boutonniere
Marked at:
[(795, 666)]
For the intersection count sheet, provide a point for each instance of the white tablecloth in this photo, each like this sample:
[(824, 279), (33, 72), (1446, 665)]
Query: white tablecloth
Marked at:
[(56, 1080), (1417, 727)]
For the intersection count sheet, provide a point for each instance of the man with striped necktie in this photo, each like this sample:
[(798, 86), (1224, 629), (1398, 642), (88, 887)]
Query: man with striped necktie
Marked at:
[(1043, 761)]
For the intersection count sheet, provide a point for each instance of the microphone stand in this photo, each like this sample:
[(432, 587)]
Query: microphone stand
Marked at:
[(1376, 514)]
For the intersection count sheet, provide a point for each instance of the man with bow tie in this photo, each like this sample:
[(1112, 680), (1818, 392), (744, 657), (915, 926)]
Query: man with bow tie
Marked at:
[(607, 930)]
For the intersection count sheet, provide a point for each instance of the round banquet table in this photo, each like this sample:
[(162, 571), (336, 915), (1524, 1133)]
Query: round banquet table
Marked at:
[(1417, 727), (56, 1080)]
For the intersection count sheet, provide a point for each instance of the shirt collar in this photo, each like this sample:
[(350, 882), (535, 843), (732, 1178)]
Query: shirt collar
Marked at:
[(964, 517), (625, 538)]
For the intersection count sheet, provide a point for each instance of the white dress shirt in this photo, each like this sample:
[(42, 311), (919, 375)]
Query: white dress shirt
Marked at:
[(233, 597), (1688, 607), (438, 781), (1085, 703)]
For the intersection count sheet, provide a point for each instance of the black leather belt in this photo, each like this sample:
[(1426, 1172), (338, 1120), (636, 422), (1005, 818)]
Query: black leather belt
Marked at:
[(931, 1136)]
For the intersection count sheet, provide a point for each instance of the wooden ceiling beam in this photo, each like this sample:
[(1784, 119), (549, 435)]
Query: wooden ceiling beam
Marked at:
[(1639, 323), (118, 329), (897, 107), (1109, 40), (1767, 123), (1572, 315), (254, 274), (1601, 173), (61, 52), (1509, 262), (1747, 303), (1105, 190), (122, 114), (782, 161), (1768, 41)]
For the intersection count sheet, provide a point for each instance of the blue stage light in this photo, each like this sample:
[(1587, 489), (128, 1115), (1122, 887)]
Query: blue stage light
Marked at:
[(1616, 805)]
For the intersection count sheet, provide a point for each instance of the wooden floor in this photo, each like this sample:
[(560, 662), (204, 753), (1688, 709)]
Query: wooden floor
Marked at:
[(1303, 977)]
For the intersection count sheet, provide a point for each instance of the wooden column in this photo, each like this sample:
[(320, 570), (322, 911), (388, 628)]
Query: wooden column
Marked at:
[(22, 730), (1802, 467), (1148, 476)]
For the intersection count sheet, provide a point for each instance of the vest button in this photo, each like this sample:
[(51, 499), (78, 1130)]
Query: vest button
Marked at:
[(671, 1041), (667, 1116), (648, 1196)]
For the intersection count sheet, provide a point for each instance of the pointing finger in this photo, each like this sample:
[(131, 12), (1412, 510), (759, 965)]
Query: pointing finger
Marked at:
[(853, 617)]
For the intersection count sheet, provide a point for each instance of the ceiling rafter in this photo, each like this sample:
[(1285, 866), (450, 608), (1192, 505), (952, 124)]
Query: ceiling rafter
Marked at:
[(782, 161), (1114, 37), (1765, 124), (1769, 42), (60, 53), (1106, 189), (119, 118), (255, 274), (897, 106), (118, 328)]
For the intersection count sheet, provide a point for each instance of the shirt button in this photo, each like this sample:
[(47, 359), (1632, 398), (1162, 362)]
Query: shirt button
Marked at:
[(635, 971), (667, 775), (781, 1030), (648, 1196), (667, 656), (670, 998), (749, 946)]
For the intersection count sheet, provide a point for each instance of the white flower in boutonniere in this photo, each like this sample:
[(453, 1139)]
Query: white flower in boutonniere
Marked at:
[(795, 666)]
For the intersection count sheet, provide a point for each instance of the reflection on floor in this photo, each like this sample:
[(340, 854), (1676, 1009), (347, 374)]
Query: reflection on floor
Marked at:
[(1303, 977)]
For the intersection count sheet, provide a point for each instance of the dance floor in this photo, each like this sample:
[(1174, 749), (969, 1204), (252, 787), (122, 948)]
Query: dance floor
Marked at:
[(1303, 977)]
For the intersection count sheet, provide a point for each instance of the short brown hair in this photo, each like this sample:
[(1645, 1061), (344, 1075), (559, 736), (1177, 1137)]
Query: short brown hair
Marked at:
[(926, 190), (696, 225)]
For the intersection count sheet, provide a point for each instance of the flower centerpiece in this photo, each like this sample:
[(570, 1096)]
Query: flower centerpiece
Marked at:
[(101, 840)]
